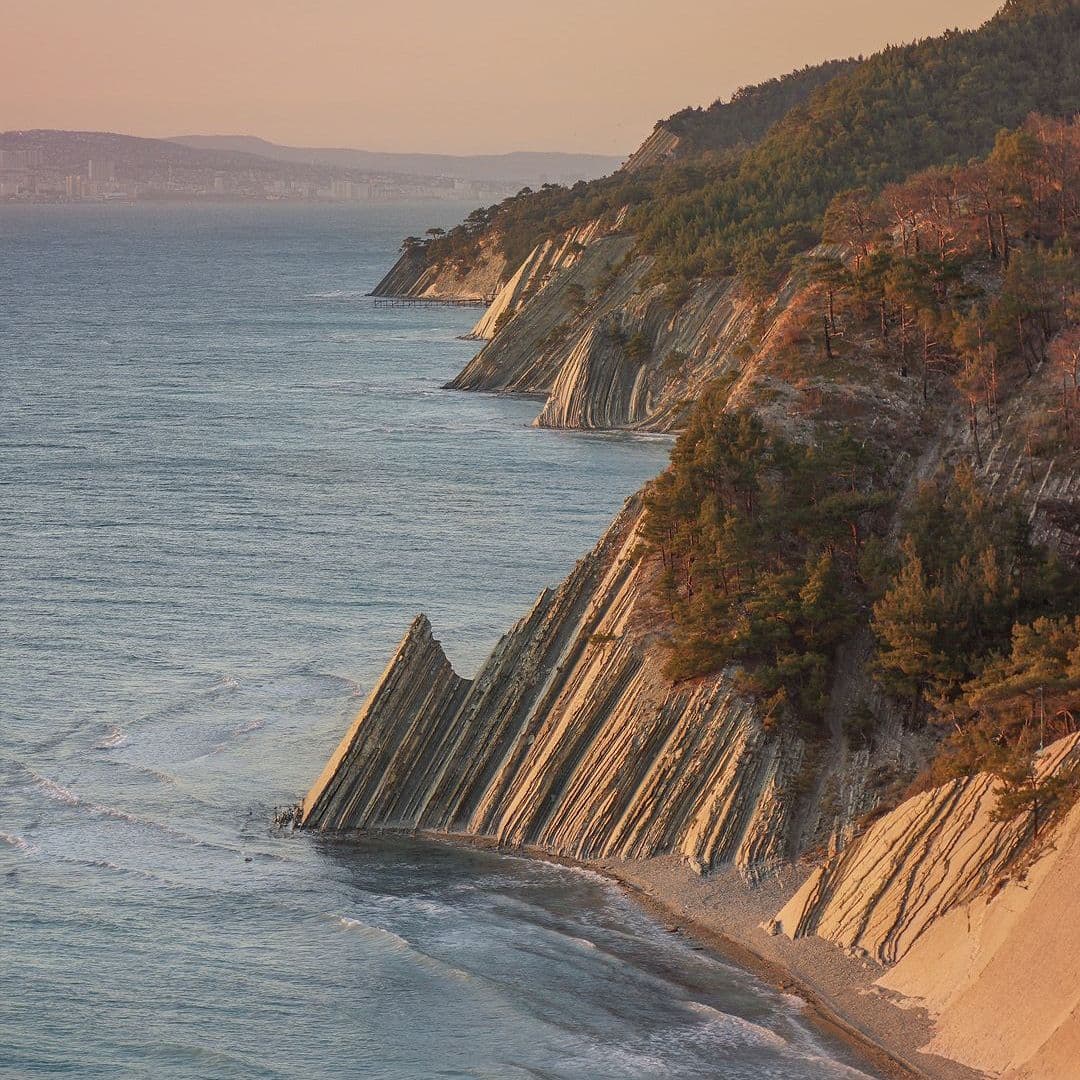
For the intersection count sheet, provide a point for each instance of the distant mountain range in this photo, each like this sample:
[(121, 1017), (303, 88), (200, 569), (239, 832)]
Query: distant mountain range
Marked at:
[(51, 166), (523, 167)]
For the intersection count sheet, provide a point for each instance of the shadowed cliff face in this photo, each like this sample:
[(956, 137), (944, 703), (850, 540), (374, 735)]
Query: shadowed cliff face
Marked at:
[(579, 325)]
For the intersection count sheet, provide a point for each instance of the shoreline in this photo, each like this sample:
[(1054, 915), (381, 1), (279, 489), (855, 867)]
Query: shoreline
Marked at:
[(865, 1022)]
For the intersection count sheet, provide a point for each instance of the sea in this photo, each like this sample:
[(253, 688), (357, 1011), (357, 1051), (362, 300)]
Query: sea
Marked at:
[(228, 482)]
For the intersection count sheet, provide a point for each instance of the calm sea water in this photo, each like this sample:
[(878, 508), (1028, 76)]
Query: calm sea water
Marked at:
[(228, 483)]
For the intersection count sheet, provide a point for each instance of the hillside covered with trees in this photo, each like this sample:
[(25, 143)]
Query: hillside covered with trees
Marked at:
[(965, 281), (791, 144)]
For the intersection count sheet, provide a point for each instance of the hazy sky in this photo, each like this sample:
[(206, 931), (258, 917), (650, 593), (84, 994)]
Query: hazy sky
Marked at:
[(459, 76)]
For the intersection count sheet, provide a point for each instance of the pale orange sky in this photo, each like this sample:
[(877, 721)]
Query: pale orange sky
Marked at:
[(421, 75)]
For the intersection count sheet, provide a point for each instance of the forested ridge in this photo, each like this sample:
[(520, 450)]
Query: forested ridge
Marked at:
[(940, 101), (752, 110), (757, 193), (711, 139)]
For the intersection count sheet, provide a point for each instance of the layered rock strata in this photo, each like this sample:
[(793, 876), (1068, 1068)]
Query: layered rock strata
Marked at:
[(568, 738), (1001, 974), (933, 853), (942, 893), (660, 147), (527, 353), (546, 260), (606, 350), (416, 276)]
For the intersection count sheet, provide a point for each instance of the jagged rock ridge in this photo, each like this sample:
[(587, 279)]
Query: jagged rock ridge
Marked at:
[(567, 739)]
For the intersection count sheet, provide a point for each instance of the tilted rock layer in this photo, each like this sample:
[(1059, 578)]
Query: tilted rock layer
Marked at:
[(933, 852), (414, 276), (568, 739), (1001, 974), (933, 888), (579, 324)]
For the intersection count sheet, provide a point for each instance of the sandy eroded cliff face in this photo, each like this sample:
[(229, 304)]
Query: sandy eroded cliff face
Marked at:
[(940, 891), (933, 853), (1001, 973)]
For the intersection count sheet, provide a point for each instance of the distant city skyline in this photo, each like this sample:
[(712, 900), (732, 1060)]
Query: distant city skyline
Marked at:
[(469, 78)]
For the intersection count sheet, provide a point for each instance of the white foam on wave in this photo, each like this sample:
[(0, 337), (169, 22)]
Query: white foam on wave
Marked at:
[(748, 1031), (115, 737), (58, 793), (52, 790), (729, 1029), (20, 843), (398, 945), (374, 933), (336, 294)]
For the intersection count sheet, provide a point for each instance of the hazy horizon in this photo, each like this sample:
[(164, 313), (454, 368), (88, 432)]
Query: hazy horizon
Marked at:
[(471, 79)]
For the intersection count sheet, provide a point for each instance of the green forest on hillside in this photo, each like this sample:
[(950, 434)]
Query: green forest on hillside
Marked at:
[(938, 102), (759, 197), (965, 282), (945, 177), (712, 140)]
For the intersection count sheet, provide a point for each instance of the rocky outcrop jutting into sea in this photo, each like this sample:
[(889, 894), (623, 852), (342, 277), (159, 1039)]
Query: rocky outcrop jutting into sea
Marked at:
[(568, 738)]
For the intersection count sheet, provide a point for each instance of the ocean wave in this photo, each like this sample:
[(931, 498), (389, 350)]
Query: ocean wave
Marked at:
[(58, 793), (374, 933), (114, 868), (52, 790), (158, 774), (336, 294), (20, 843), (730, 1024), (396, 944), (115, 737)]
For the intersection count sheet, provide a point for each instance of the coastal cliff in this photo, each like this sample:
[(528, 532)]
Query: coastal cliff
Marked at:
[(415, 276), (935, 852), (568, 738), (962, 911), (572, 740), (622, 358), (797, 675)]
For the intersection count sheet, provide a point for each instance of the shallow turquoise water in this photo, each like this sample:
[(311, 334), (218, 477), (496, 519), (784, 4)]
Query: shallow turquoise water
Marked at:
[(228, 483)]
